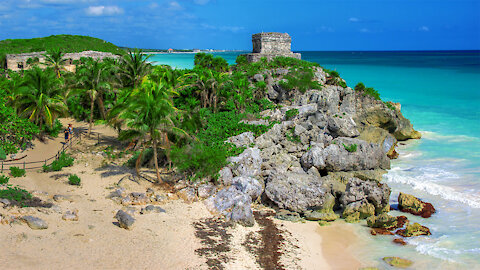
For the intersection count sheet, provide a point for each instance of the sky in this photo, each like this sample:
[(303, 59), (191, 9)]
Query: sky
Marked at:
[(229, 24)]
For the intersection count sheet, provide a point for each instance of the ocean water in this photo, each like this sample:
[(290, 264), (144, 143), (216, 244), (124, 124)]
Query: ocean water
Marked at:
[(440, 94)]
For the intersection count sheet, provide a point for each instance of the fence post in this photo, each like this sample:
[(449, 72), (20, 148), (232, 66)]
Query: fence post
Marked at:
[(98, 136)]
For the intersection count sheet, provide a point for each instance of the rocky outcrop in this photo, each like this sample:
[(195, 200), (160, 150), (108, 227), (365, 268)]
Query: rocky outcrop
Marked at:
[(233, 204), (298, 192), (410, 204), (325, 213), (366, 197), (246, 164)]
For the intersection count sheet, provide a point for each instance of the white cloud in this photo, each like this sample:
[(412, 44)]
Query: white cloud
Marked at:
[(353, 19), (233, 29), (423, 28), (103, 10), (174, 6)]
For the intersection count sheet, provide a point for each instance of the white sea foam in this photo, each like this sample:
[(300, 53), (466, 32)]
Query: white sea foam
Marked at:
[(426, 180), (430, 135)]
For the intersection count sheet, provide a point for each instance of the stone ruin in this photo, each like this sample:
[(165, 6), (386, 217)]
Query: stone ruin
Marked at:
[(271, 45), (17, 62)]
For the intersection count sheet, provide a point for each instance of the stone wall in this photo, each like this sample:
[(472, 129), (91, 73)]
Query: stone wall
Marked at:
[(271, 45), (18, 62)]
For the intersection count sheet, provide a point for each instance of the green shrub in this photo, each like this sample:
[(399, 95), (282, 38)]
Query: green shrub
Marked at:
[(206, 60), (64, 160), (367, 91), (3, 155), (4, 179), (17, 172), (291, 113), (74, 180), (390, 106), (241, 60), (301, 79), (54, 130), (350, 148), (15, 194)]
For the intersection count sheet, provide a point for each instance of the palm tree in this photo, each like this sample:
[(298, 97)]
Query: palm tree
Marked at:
[(133, 67), (92, 79), (40, 96), (55, 59), (208, 83), (149, 114)]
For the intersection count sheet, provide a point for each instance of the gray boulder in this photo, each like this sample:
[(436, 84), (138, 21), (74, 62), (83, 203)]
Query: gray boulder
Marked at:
[(298, 192), (124, 220), (247, 163), (258, 77), (206, 190), (71, 215), (244, 139), (35, 223), (367, 156), (152, 209), (233, 204), (372, 192), (342, 126), (313, 158), (248, 185), (225, 176)]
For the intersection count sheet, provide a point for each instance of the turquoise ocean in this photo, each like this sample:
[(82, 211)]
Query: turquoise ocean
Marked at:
[(440, 94)]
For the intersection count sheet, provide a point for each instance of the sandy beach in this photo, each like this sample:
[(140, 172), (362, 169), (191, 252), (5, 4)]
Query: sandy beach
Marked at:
[(185, 236)]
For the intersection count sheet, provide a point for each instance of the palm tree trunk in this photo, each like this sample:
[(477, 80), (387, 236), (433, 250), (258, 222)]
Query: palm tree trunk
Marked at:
[(137, 163), (155, 160), (101, 107), (91, 115)]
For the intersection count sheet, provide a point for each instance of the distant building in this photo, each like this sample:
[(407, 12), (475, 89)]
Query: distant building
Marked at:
[(196, 50), (271, 45), (170, 50), (17, 62)]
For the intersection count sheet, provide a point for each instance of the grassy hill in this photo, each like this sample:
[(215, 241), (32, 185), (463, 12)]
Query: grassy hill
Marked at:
[(65, 43)]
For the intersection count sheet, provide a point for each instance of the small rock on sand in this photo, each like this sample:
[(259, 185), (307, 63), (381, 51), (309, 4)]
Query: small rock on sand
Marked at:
[(35, 223), (124, 220), (152, 209), (63, 198), (71, 215)]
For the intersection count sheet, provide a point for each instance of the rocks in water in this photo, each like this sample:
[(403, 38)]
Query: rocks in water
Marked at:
[(233, 204), (206, 190), (70, 215), (366, 197), (152, 209), (125, 220), (410, 204), (283, 214), (247, 163), (353, 218), (188, 194), (248, 185), (242, 140), (380, 231), (384, 221), (298, 192), (414, 230), (35, 223), (398, 262), (399, 241)]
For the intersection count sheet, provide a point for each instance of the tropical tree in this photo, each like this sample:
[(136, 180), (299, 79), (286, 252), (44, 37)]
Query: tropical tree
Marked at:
[(207, 82), (149, 115), (93, 80), (55, 60), (40, 98), (133, 66)]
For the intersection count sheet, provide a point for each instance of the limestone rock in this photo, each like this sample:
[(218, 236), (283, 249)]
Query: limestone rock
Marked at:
[(138, 198), (298, 192), (125, 220), (342, 126), (410, 204), (382, 221), (188, 194), (325, 213), (244, 139), (63, 198), (152, 209), (398, 262), (71, 215), (206, 190), (353, 218), (247, 163), (283, 214), (375, 193), (233, 204), (399, 241), (414, 230), (35, 223), (379, 136), (249, 186), (225, 176), (362, 207)]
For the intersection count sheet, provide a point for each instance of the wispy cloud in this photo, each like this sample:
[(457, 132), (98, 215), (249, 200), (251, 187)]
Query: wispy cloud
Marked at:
[(424, 28), (103, 10), (233, 29), (174, 5)]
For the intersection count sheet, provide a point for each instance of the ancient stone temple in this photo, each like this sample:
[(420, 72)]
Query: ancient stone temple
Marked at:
[(271, 45)]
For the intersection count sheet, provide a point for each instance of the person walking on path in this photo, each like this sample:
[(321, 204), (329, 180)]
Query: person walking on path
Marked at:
[(70, 131), (67, 133)]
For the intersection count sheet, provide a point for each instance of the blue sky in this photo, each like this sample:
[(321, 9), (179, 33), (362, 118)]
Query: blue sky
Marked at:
[(228, 24)]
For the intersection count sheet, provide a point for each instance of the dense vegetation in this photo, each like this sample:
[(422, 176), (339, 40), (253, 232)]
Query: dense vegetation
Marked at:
[(176, 118), (64, 43)]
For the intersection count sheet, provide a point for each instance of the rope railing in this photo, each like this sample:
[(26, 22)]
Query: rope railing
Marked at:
[(6, 165)]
